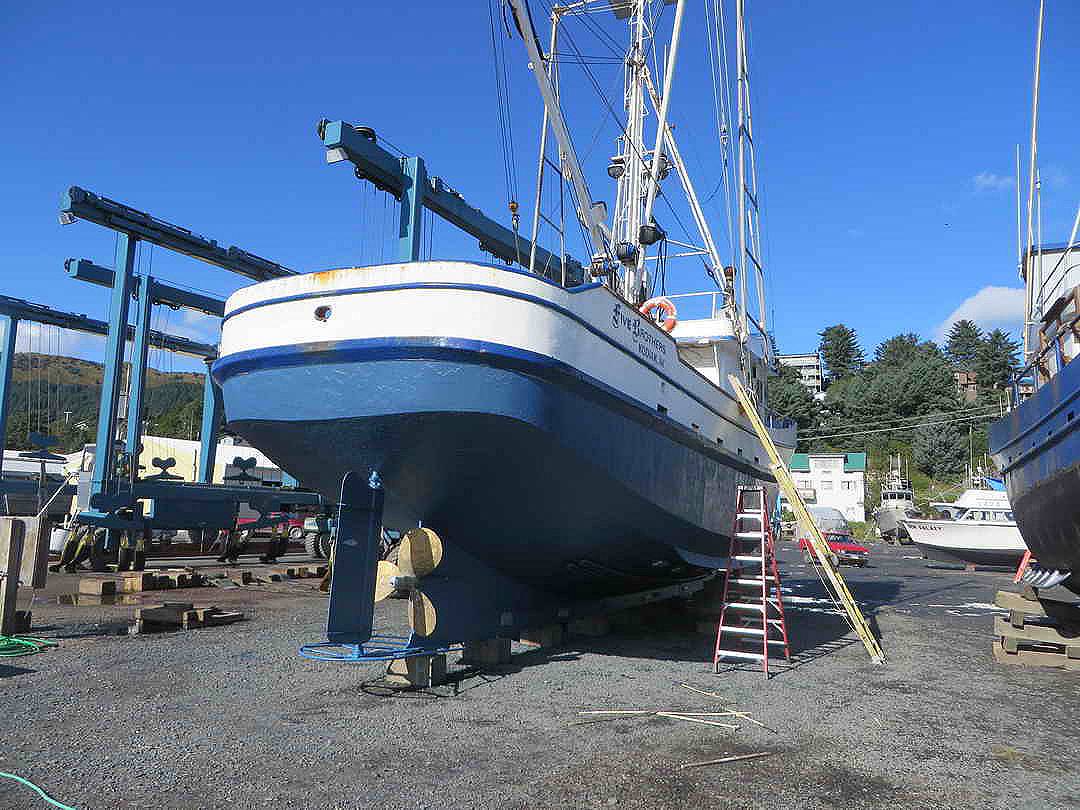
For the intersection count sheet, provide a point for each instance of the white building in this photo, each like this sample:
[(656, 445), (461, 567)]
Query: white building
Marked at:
[(832, 479), (808, 366)]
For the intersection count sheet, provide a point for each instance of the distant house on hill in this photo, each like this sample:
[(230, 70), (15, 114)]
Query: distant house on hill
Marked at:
[(967, 388), (832, 479), (808, 366)]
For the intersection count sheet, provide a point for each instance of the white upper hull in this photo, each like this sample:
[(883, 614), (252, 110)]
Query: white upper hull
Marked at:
[(487, 305)]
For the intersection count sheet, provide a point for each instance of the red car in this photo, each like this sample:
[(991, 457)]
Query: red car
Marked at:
[(843, 549)]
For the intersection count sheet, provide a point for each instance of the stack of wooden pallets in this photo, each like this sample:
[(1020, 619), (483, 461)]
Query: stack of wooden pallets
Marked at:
[(1039, 632)]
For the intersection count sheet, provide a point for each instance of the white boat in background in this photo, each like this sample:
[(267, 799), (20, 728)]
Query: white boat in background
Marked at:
[(897, 503), (980, 531)]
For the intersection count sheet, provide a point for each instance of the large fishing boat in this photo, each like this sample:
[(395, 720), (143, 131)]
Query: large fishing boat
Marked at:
[(549, 426), (1037, 443)]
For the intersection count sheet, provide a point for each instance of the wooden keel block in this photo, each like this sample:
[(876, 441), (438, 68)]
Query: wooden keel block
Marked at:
[(419, 672), (489, 652), (97, 586), (590, 626), (242, 577), (1035, 658), (137, 582), (550, 635)]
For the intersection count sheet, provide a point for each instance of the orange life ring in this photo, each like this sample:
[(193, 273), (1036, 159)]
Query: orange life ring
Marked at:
[(668, 308)]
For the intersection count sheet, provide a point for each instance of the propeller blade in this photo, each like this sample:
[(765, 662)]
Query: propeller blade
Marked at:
[(383, 584), (421, 614), (420, 553)]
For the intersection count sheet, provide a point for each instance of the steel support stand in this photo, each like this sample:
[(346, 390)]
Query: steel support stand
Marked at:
[(208, 435)]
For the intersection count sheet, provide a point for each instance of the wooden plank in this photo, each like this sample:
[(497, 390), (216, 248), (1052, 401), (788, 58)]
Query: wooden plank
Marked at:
[(12, 536), (1035, 658), (35, 557), (1036, 633), (1053, 608)]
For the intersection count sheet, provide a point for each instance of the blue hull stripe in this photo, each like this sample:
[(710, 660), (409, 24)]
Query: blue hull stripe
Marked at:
[(508, 294), (482, 353)]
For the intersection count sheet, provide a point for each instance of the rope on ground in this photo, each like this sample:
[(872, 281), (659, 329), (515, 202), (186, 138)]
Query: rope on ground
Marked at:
[(37, 790), (15, 646)]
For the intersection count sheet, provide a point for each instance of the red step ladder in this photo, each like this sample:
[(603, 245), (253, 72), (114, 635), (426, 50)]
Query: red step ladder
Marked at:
[(752, 612)]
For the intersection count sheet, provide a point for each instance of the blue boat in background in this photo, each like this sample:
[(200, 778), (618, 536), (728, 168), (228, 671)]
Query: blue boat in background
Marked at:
[(1037, 444)]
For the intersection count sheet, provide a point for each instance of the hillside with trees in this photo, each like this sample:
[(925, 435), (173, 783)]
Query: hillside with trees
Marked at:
[(60, 395), (903, 400)]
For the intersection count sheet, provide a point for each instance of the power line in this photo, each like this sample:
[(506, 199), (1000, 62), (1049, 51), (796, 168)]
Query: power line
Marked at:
[(901, 427), (914, 419)]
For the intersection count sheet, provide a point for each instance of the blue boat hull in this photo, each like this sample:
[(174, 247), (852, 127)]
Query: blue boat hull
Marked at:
[(547, 476), (1037, 445)]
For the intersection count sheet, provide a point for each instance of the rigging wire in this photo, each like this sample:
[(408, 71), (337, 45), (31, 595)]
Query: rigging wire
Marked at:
[(502, 98)]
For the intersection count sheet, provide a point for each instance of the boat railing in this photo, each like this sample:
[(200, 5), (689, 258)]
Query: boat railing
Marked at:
[(1052, 348)]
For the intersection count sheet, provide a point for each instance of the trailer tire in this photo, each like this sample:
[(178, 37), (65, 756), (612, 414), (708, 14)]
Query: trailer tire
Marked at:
[(311, 546), (324, 545), (296, 533)]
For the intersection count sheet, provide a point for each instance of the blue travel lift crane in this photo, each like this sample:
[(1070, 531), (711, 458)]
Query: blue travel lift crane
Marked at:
[(14, 310), (120, 502)]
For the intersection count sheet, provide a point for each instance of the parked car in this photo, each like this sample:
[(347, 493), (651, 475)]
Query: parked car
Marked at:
[(837, 533)]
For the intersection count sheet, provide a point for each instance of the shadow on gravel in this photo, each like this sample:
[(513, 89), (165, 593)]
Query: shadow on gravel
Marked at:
[(8, 671)]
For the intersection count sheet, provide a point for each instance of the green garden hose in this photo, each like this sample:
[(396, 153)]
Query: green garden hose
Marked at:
[(14, 646), (33, 787)]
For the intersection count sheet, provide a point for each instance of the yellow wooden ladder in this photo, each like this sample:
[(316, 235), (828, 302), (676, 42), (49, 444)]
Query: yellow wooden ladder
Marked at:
[(833, 581)]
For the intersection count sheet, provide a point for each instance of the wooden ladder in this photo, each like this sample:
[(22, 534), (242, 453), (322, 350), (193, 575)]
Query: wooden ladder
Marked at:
[(752, 611)]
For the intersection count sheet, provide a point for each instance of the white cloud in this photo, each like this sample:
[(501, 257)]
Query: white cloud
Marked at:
[(198, 326), (988, 181), (990, 308), (39, 339)]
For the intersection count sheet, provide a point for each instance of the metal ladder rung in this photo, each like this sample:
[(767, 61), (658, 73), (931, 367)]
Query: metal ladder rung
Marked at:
[(739, 654), (746, 558), (745, 581), (748, 515), (745, 606), (755, 535)]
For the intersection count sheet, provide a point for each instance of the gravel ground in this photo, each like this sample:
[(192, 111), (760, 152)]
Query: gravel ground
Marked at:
[(232, 717)]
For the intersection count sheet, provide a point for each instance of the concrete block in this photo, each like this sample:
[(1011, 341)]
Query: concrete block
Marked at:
[(490, 652), (550, 635), (590, 626), (420, 671)]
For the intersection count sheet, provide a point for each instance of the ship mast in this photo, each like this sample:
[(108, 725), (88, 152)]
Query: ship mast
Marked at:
[(645, 155)]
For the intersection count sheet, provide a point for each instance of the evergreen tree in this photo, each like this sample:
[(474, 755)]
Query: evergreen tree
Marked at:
[(790, 398), (898, 351), (996, 360), (840, 351), (962, 344), (939, 450)]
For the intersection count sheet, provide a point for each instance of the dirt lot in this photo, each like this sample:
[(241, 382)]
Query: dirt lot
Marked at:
[(232, 717)]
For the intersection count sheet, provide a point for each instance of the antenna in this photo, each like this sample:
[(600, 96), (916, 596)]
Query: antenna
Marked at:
[(1029, 350)]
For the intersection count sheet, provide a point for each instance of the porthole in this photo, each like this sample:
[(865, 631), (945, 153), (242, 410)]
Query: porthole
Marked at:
[(323, 313)]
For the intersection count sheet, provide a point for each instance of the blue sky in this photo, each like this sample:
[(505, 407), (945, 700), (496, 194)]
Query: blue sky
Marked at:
[(885, 131)]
